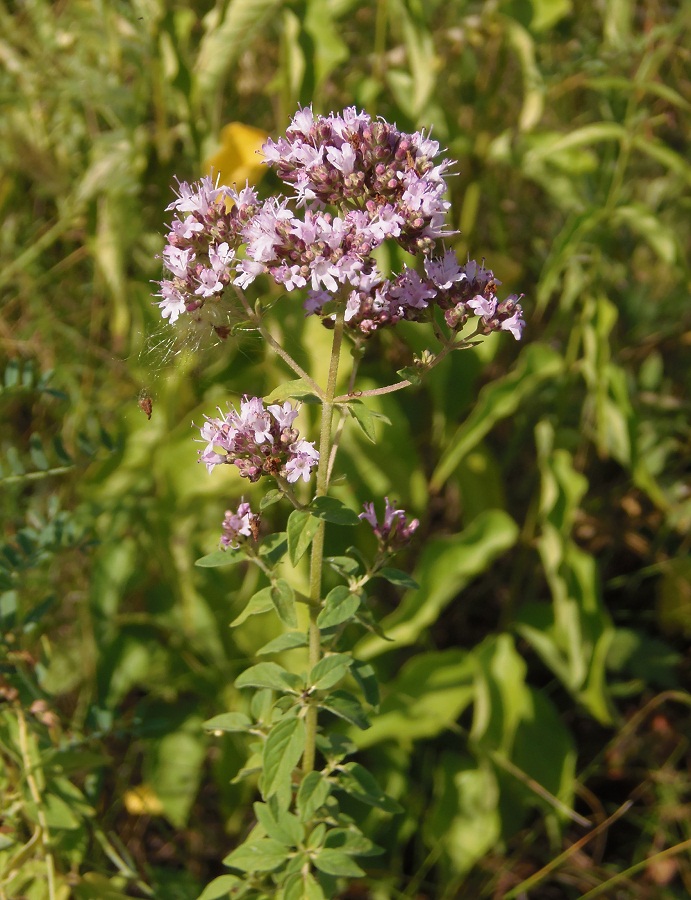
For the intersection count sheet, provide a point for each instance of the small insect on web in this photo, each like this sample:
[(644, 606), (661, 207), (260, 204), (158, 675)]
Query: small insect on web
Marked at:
[(174, 348)]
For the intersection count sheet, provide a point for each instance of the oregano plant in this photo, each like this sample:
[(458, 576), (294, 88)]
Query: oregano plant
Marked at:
[(352, 183)]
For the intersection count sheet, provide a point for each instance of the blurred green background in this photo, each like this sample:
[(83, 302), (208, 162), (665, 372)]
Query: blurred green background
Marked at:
[(540, 675)]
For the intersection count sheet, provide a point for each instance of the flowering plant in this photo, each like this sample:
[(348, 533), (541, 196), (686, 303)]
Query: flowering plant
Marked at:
[(355, 183)]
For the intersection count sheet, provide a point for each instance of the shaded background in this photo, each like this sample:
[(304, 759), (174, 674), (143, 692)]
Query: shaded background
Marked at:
[(541, 673)]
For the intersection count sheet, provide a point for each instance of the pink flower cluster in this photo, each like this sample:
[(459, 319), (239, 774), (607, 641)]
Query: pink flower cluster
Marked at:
[(395, 530), (202, 245), (242, 523), (258, 441), (356, 183)]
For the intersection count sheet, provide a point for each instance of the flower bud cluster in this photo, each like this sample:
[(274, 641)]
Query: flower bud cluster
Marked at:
[(242, 523), (394, 531), (258, 441)]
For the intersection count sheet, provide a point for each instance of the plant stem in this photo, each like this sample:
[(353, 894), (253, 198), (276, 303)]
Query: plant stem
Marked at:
[(276, 347), (317, 557)]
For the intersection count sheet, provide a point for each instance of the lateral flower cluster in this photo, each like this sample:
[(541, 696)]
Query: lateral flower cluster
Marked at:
[(395, 530), (258, 441), (238, 525), (356, 183)]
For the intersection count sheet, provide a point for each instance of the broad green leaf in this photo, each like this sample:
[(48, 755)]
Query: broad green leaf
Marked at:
[(664, 155), (344, 565), (221, 558), (269, 498), (269, 675), (465, 818), (501, 694), (346, 706), (332, 510), (317, 835), (296, 389), (312, 794), (335, 862), (273, 548), (301, 530), (232, 721), (284, 746), (288, 641), (361, 784), (174, 768), (329, 50), (446, 566), (577, 638), (262, 855), (283, 599), (259, 603), (578, 137), (397, 577), (428, 696), (38, 454), (352, 841), (366, 418), (329, 671), (283, 827), (220, 887), (366, 677), (225, 40), (498, 400), (340, 606)]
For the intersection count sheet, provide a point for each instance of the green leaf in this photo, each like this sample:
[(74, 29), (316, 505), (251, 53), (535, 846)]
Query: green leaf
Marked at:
[(329, 671), (411, 374), (445, 567), (362, 785), (263, 855), (346, 706), (366, 677), (397, 577), (38, 455), (259, 603), (288, 641), (174, 768), (344, 565), (232, 721), (351, 840), (220, 887), (335, 862), (496, 401), (269, 675), (226, 39), (301, 530), (429, 694), (312, 794), (273, 548), (296, 389), (366, 418), (340, 606), (269, 498), (221, 558), (284, 746), (283, 827), (283, 599), (332, 510)]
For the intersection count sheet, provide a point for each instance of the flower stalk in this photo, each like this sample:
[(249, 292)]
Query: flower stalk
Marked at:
[(317, 555)]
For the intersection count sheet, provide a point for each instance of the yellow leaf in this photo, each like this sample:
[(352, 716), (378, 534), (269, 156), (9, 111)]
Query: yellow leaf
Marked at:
[(237, 160), (142, 801)]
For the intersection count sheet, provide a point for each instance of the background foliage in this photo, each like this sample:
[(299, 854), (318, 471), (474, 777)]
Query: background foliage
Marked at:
[(539, 676)]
